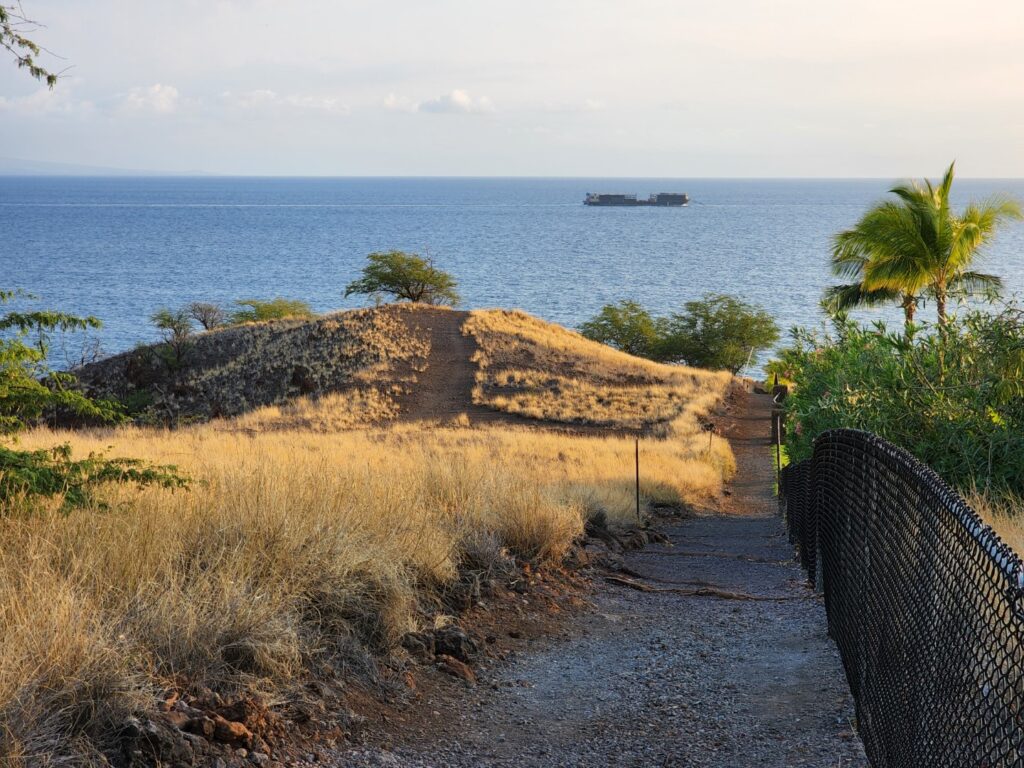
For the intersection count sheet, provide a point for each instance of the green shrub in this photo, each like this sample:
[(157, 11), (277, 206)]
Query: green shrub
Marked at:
[(626, 326), (955, 399), (257, 310), (718, 331), (29, 391)]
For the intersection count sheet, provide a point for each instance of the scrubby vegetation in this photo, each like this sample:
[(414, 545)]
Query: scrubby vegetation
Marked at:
[(366, 355), (260, 310), (307, 547), (955, 399), (31, 391), (719, 332), (532, 368)]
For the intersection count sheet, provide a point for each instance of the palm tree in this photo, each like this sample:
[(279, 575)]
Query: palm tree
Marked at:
[(916, 246)]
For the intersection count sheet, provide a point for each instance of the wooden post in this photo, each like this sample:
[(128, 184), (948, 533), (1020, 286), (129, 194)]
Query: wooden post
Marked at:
[(638, 479)]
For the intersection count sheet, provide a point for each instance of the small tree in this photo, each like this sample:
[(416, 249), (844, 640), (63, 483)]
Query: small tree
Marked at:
[(626, 326), (407, 277), (718, 331), (29, 390), (176, 327), (208, 315), (257, 310)]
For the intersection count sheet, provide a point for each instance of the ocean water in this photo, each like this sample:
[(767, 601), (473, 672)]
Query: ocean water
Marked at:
[(120, 248)]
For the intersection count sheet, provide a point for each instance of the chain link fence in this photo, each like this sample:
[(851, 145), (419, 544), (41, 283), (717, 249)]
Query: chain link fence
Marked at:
[(924, 601)]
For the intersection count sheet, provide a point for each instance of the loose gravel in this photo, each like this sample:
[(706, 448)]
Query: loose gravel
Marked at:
[(662, 678)]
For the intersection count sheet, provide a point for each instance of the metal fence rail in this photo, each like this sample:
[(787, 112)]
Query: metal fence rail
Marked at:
[(924, 601)]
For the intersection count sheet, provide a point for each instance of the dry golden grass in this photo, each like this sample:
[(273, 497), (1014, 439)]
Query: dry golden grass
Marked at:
[(291, 548), (1004, 513), (544, 371), (303, 541)]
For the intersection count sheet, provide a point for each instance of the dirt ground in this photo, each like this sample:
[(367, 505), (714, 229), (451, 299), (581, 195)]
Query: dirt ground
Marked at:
[(708, 651)]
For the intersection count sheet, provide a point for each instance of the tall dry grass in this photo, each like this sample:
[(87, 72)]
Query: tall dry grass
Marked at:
[(532, 368), (1004, 512), (292, 550)]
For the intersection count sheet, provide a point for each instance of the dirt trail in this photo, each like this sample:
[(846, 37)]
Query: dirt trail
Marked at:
[(661, 678), (444, 388)]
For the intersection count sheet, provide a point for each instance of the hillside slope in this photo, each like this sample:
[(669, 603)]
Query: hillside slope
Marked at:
[(401, 362)]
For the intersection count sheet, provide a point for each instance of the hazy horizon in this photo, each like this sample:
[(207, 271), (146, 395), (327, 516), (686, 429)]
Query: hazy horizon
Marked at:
[(573, 89)]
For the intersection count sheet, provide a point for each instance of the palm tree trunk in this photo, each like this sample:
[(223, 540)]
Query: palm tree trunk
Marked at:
[(909, 307), (940, 302)]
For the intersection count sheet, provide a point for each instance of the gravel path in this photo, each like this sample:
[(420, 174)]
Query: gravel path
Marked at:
[(662, 678)]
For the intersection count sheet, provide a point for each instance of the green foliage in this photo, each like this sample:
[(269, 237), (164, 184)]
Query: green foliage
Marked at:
[(718, 331), (257, 310), (13, 26), (30, 475), (917, 246), (28, 388), (176, 328), (28, 391), (626, 326), (954, 397), (407, 277)]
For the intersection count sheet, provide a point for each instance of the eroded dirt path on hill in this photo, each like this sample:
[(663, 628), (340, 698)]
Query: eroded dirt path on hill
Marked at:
[(444, 389), (660, 678)]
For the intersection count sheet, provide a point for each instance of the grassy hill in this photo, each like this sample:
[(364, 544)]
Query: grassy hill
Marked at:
[(349, 476), (400, 363)]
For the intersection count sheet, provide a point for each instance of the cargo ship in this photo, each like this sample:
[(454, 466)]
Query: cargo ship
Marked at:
[(661, 200)]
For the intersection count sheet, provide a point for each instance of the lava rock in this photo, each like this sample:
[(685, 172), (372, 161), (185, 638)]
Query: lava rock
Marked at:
[(455, 642)]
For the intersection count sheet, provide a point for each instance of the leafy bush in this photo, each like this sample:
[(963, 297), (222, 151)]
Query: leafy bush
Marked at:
[(29, 390), (626, 326), (53, 472), (257, 310), (407, 277), (954, 400), (718, 332)]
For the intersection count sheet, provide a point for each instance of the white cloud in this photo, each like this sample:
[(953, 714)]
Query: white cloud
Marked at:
[(46, 102), (153, 98), (456, 102), (400, 103), (267, 99)]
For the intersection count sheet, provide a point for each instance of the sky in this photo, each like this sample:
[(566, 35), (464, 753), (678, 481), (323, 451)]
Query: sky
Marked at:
[(745, 88)]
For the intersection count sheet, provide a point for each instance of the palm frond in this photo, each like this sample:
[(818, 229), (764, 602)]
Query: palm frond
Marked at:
[(840, 298), (976, 284)]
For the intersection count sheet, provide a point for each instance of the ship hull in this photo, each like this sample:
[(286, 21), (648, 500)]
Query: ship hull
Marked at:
[(663, 200)]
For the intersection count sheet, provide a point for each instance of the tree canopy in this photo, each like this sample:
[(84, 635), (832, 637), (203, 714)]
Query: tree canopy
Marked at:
[(626, 326), (406, 277), (718, 331), (917, 245)]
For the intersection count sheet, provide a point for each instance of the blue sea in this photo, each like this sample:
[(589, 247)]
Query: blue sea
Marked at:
[(120, 248)]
